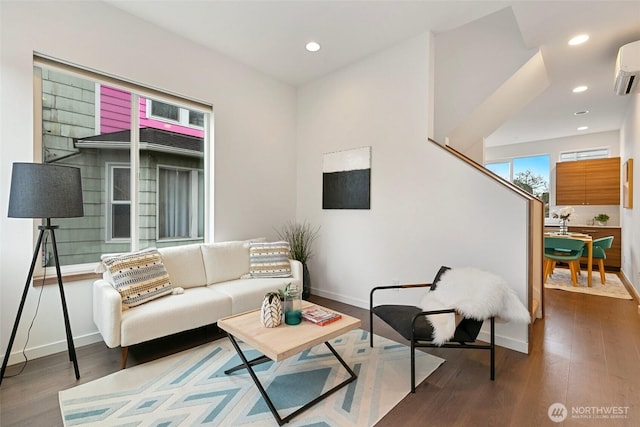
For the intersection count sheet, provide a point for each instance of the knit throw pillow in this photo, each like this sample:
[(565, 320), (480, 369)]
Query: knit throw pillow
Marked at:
[(139, 277), (269, 259)]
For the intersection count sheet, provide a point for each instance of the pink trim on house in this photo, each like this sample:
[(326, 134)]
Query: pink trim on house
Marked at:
[(115, 113)]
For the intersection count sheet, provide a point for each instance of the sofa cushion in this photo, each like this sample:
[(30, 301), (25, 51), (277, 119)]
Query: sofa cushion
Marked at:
[(248, 294), (139, 277), (185, 265), (225, 261), (269, 259), (174, 313)]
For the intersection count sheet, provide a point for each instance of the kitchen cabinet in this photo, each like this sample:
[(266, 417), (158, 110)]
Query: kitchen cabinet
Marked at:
[(588, 182)]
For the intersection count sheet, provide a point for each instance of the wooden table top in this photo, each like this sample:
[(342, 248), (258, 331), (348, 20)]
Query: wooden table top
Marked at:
[(285, 340), (579, 236)]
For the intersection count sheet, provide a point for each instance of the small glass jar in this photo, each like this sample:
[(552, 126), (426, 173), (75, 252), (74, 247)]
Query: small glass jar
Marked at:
[(564, 227), (292, 306)]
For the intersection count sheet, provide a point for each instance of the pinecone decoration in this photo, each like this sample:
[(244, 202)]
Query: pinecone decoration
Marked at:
[(271, 312)]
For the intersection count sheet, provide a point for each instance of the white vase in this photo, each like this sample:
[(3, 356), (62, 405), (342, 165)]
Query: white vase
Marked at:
[(271, 311)]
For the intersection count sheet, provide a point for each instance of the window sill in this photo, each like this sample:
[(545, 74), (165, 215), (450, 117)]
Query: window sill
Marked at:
[(70, 273)]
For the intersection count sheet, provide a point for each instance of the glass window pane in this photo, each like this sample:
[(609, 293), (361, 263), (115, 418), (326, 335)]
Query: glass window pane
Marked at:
[(120, 221), (196, 118), (598, 153), (87, 124), (168, 111), (76, 114), (174, 203), (121, 185), (200, 204), (593, 154), (502, 169), (532, 175), (529, 173)]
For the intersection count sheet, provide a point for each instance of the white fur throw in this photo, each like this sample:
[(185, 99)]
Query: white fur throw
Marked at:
[(474, 294)]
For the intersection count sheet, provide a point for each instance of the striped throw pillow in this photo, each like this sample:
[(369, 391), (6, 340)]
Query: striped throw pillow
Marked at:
[(269, 259), (139, 277)]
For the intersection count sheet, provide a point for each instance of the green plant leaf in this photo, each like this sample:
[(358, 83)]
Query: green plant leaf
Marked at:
[(300, 237)]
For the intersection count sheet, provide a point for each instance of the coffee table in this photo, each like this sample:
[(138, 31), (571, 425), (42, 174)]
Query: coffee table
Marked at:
[(282, 342)]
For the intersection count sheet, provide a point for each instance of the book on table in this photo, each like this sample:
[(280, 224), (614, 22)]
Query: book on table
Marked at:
[(319, 315)]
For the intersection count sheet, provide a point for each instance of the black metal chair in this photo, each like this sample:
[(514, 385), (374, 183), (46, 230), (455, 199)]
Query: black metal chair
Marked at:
[(411, 322)]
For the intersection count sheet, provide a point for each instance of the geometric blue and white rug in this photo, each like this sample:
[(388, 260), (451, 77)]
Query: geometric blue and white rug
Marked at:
[(190, 388)]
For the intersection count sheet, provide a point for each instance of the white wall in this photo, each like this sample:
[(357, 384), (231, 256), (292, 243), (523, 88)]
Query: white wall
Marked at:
[(427, 208), (630, 218), (254, 138), (553, 147), (471, 63)]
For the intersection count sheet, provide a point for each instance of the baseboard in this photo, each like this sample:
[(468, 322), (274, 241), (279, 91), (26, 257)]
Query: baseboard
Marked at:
[(632, 290), (341, 298), (51, 348), (506, 342)]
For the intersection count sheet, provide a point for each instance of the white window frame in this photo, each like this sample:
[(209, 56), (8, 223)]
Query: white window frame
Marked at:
[(193, 212), (512, 172), (147, 92), (110, 166), (575, 155), (183, 115)]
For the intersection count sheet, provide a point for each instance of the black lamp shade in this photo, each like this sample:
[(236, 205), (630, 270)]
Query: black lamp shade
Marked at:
[(45, 191)]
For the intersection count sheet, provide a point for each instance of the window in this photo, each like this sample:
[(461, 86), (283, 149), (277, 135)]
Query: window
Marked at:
[(180, 207), (119, 213), (598, 153), (182, 116), (196, 118), (532, 174), (529, 173), (180, 203), (502, 169), (141, 189), (167, 111)]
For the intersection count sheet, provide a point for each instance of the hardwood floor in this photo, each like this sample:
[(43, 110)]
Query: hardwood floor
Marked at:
[(586, 355)]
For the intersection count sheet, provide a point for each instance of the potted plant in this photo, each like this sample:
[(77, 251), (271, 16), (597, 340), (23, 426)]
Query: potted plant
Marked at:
[(602, 219), (300, 237), (290, 297)]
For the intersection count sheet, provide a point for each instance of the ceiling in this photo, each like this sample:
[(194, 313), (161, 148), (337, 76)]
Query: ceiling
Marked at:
[(270, 36)]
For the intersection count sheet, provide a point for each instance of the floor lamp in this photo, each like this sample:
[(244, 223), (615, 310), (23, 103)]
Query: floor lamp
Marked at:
[(45, 191)]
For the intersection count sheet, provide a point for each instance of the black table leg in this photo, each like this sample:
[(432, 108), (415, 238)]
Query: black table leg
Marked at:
[(254, 362), (248, 365)]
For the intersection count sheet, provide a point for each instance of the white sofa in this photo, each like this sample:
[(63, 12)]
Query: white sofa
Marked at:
[(215, 283)]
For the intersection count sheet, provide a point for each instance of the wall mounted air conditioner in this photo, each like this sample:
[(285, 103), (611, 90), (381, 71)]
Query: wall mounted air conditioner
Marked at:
[(627, 77)]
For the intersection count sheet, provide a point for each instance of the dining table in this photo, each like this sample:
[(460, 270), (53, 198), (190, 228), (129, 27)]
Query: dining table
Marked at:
[(588, 242)]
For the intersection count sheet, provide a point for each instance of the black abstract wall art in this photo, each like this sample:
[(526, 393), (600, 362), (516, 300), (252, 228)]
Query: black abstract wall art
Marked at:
[(346, 179)]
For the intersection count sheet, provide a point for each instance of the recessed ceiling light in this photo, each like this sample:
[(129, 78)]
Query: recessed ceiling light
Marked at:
[(581, 113), (583, 128), (579, 89), (312, 47), (578, 40)]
